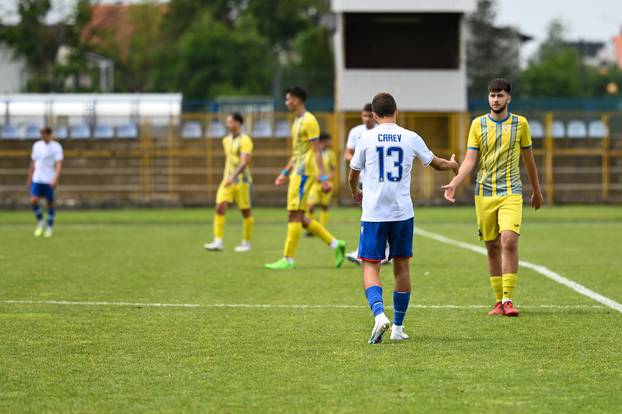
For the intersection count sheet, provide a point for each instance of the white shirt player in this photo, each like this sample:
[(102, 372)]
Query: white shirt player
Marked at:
[(386, 155), (45, 156), (355, 135)]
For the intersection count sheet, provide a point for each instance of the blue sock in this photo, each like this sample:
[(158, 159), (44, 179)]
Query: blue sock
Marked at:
[(374, 298), (36, 208), (51, 214), (400, 305)]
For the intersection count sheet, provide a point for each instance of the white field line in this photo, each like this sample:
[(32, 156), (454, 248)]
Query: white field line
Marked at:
[(265, 305), (544, 271)]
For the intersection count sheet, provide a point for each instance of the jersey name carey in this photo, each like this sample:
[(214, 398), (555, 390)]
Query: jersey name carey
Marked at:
[(389, 137)]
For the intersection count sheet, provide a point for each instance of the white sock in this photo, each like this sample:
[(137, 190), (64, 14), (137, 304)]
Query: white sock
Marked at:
[(333, 244), (41, 223), (380, 317), (397, 328)]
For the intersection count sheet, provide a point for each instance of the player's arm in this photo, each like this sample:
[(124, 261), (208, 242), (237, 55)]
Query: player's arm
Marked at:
[(353, 183), (245, 160), (470, 159), (441, 164), (282, 177), (532, 172), (58, 166)]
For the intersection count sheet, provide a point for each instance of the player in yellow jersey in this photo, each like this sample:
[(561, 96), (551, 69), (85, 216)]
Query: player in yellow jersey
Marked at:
[(235, 185), (303, 169), (317, 197), (498, 139)]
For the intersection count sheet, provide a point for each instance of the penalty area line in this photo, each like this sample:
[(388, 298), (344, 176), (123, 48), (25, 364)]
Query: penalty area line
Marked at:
[(544, 271), (266, 305)]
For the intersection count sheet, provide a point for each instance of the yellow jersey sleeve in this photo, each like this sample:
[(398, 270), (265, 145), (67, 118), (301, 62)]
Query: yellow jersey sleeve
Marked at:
[(475, 135), (246, 145), (525, 133), (312, 128)]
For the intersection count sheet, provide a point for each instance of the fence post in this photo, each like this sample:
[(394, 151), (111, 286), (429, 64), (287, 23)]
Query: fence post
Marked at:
[(548, 157), (605, 158), (169, 154)]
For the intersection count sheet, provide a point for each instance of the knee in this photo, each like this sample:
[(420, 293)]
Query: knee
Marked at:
[(510, 244), (494, 250)]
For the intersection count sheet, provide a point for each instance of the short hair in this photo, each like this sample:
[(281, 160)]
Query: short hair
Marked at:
[(237, 117), (383, 104), (500, 84), (298, 92), (367, 107), (324, 136), (46, 130)]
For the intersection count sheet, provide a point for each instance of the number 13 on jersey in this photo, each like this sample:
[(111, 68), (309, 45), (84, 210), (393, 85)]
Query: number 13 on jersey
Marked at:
[(395, 154)]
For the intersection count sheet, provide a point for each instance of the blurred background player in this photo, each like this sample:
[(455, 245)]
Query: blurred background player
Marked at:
[(45, 167), (353, 137), (303, 169), (498, 139), (386, 155), (317, 197), (235, 185)]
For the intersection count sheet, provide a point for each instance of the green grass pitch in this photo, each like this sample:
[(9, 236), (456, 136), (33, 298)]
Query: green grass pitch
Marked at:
[(562, 357)]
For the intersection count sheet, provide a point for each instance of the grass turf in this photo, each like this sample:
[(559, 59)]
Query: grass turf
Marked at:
[(61, 358)]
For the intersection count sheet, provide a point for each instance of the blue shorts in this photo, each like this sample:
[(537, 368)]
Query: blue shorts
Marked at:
[(42, 190), (375, 235)]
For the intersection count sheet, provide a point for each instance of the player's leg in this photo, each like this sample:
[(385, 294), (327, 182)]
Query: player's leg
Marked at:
[(488, 228), (36, 209), (297, 194), (510, 218), (51, 207), (224, 196), (371, 250), (243, 200), (339, 246), (325, 200), (400, 241), (311, 215)]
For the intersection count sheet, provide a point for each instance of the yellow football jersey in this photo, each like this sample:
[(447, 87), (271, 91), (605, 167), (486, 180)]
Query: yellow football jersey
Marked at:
[(329, 159), (304, 130), (499, 144), (234, 147)]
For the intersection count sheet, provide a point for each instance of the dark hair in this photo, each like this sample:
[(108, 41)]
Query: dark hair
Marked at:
[(383, 104), (367, 107), (324, 136), (298, 92), (237, 117), (500, 84), (46, 130)]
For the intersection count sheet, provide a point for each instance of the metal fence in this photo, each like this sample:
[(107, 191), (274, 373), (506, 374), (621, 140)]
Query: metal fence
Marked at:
[(179, 160)]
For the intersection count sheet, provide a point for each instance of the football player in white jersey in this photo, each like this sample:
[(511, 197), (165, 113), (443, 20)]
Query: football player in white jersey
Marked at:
[(386, 155), (353, 137), (45, 166)]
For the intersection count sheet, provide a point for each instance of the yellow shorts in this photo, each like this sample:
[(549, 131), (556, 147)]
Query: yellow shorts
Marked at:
[(240, 193), (318, 197), (298, 191), (498, 213)]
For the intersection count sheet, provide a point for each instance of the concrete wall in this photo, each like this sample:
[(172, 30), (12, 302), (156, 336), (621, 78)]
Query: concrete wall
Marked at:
[(13, 73)]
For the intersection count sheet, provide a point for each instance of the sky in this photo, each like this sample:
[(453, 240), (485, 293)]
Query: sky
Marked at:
[(597, 20)]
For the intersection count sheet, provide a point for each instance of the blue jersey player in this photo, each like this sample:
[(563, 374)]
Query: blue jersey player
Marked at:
[(386, 154)]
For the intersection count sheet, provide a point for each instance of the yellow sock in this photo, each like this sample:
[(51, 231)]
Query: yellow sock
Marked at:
[(496, 282), (248, 228), (320, 231), (324, 218), (294, 230), (219, 226), (509, 284)]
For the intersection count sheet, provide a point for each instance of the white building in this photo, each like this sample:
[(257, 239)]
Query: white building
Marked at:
[(413, 49), (13, 72)]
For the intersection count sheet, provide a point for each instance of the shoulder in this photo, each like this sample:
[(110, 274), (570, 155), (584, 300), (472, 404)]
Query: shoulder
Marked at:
[(36, 145), (309, 117), (246, 137), (521, 119), (477, 121), (57, 145)]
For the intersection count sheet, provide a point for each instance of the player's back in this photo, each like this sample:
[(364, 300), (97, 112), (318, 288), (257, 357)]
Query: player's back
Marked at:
[(386, 155)]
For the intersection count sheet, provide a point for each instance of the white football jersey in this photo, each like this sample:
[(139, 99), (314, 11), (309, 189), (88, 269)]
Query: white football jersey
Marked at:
[(355, 135), (45, 157), (386, 155)]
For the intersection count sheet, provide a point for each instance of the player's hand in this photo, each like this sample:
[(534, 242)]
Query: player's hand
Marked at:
[(358, 197), (53, 183), (450, 192), (536, 200), (280, 180), (454, 164), (326, 187), (228, 181)]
